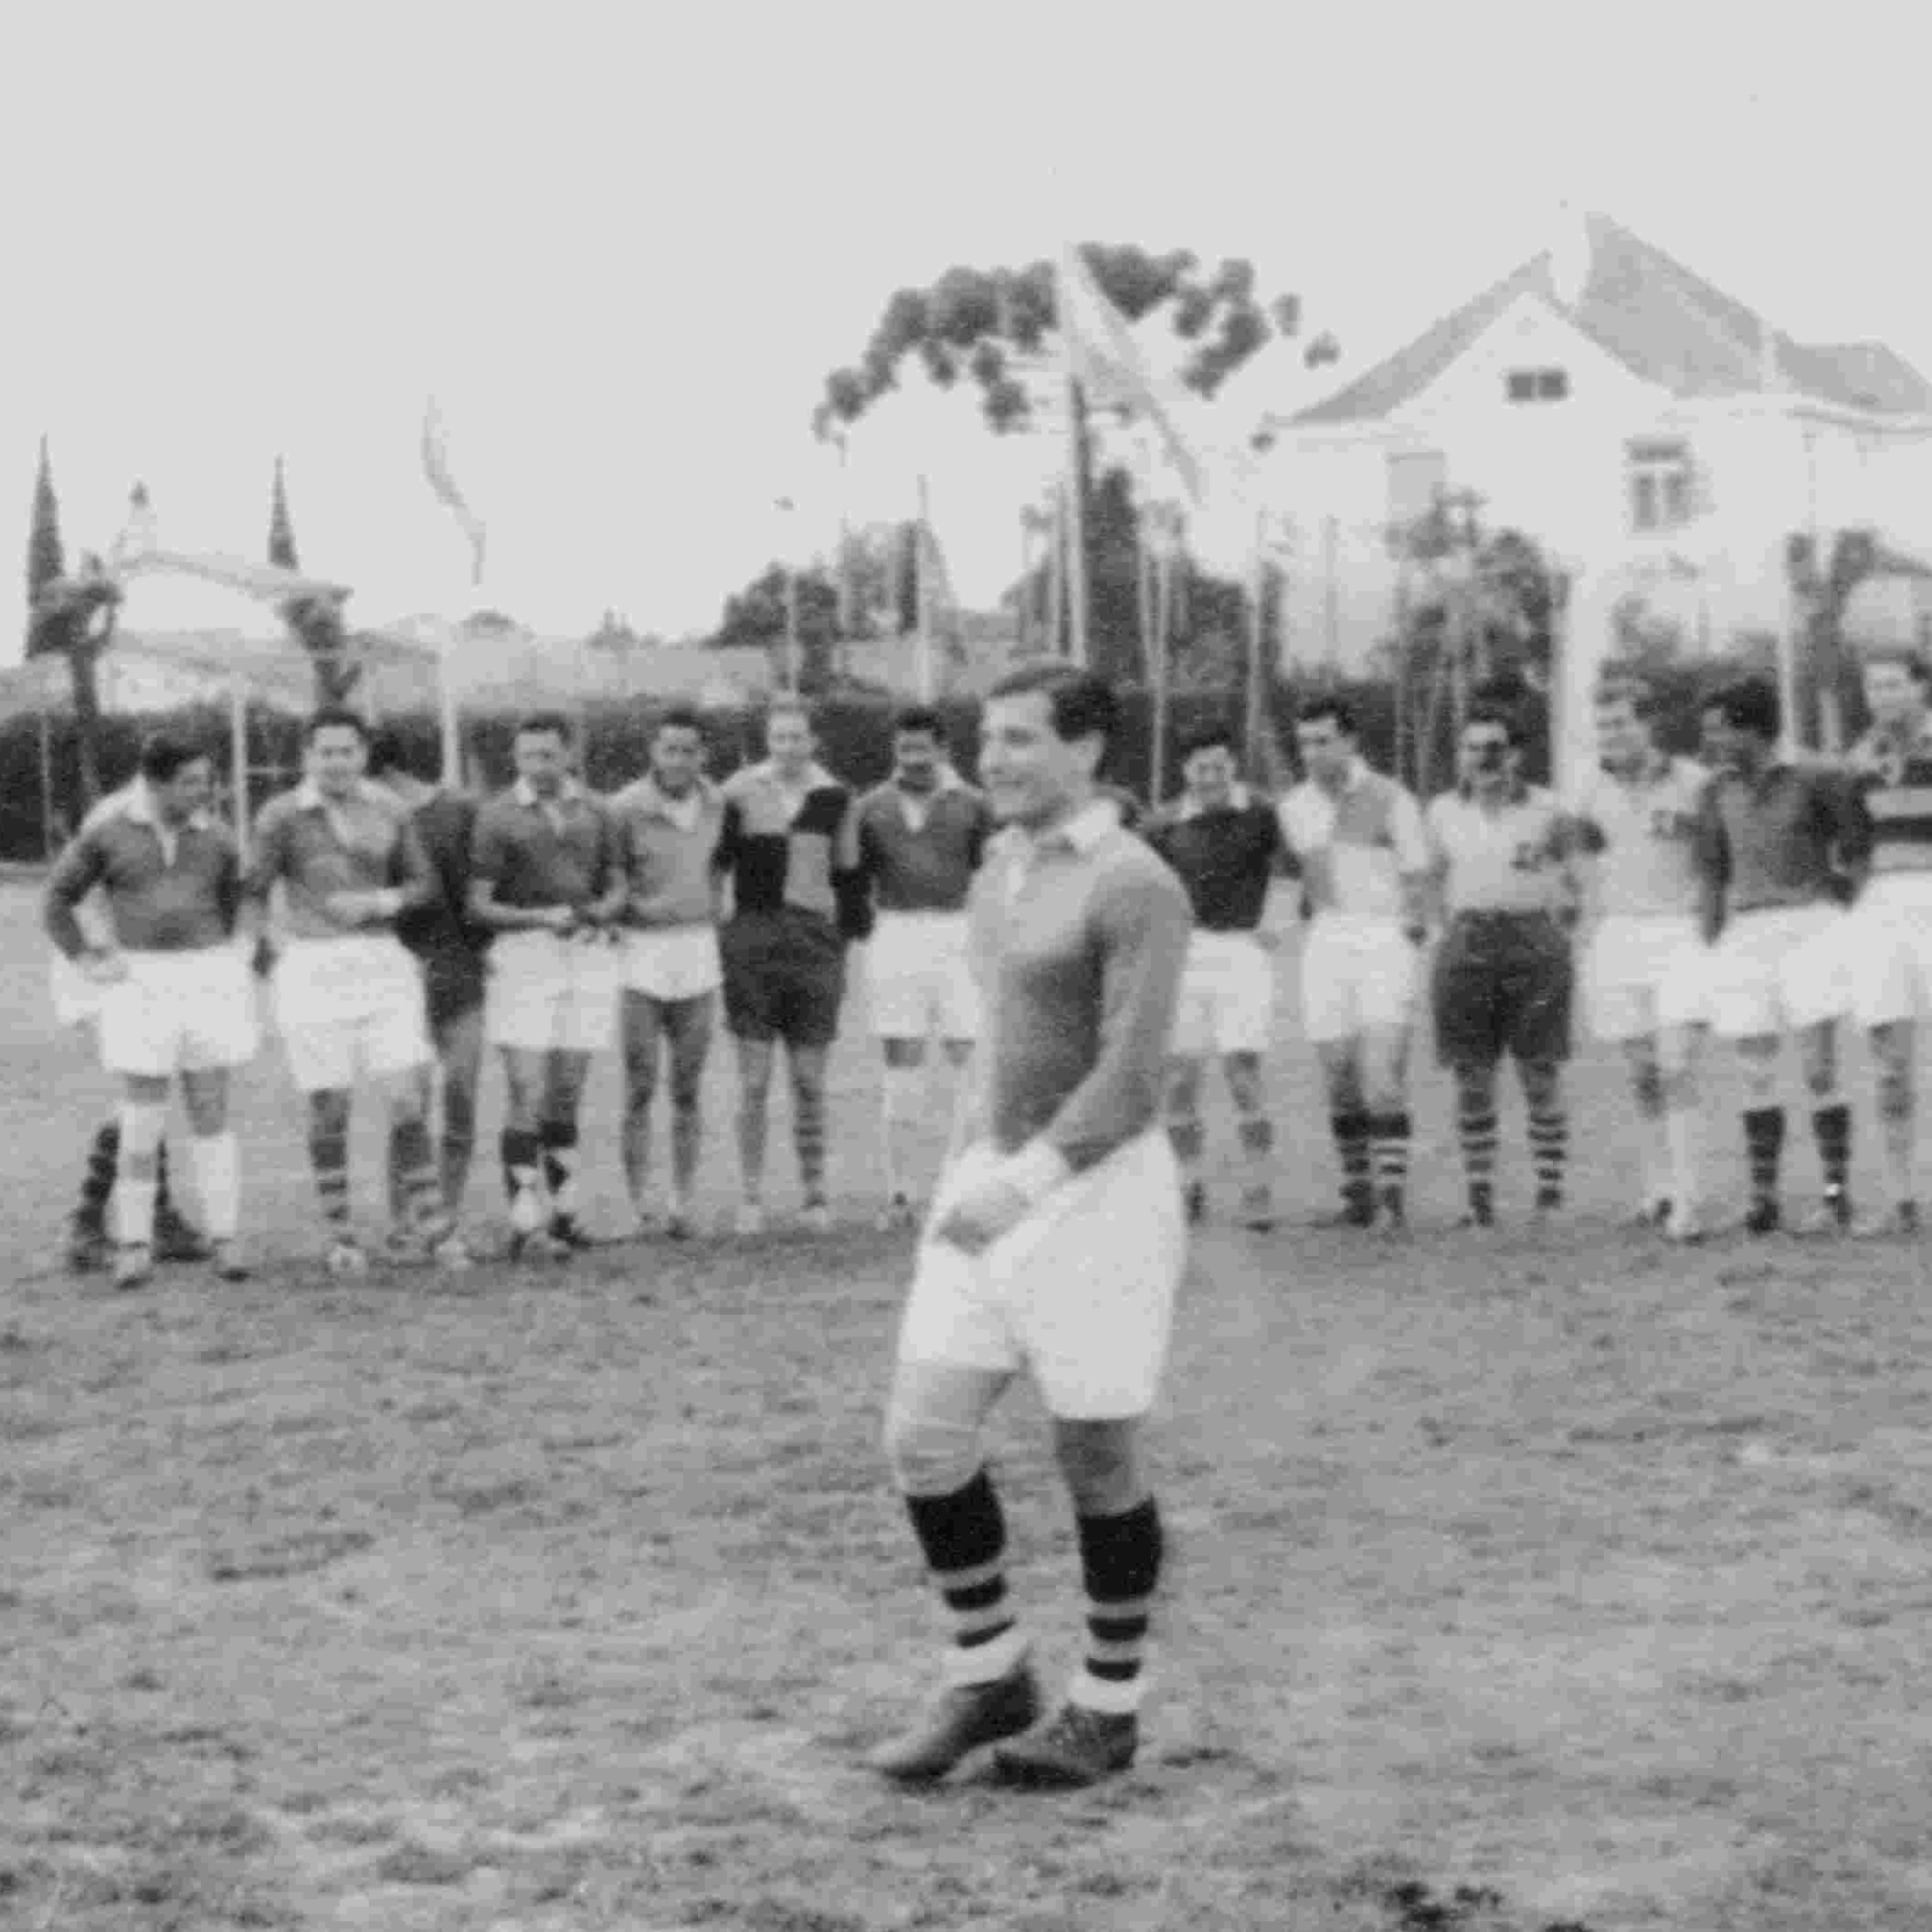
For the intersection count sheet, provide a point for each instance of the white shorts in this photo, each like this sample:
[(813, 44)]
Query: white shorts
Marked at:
[(1888, 934), (550, 994), (178, 1013), (1080, 1292), (1355, 974), (1227, 996), (673, 962), (348, 1009), (1643, 971), (918, 980), (1776, 970)]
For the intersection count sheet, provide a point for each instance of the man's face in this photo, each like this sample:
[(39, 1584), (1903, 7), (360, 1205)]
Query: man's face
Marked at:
[(1030, 773), (916, 756), (1623, 739), (541, 761), (336, 756), (1894, 696), (1208, 775), (1325, 750), (1487, 758), (788, 742), (677, 757), (190, 790)]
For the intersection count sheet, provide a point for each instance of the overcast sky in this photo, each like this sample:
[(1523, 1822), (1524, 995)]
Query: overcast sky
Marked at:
[(625, 243)]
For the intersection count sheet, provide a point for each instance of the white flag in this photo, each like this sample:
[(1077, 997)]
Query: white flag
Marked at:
[(1105, 360)]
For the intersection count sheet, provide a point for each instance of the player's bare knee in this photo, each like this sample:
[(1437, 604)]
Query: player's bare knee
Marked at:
[(1101, 1464), (329, 1111), (1647, 1076), (204, 1096), (929, 1455), (1244, 1081)]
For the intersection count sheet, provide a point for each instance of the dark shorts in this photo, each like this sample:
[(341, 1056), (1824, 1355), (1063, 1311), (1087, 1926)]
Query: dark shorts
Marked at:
[(1502, 983), (784, 977), (453, 986)]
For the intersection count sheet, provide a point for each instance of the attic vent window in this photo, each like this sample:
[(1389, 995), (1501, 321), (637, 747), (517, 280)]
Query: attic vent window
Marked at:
[(1537, 385)]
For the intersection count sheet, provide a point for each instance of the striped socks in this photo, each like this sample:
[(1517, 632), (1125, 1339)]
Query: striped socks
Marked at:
[(963, 1536), (1764, 1153), (1477, 1128), (1120, 1562), (1389, 1136), (1351, 1145), (808, 1137), (558, 1142), (1831, 1130), (1549, 1152), (522, 1153), (417, 1178), (97, 1186), (329, 1156), (1188, 1139)]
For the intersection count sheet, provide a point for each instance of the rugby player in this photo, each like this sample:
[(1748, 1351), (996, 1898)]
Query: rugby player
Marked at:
[(1645, 963), (1504, 977), (1355, 836), (790, 848), (1222, 841), (348, 998), (1782, 849), (452, 950), (921, 837), (669, 824), (1890, 932), (1055, 1243), (176, 1000), (547, 878)]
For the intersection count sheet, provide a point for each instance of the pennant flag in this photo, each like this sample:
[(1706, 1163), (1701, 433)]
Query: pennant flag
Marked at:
[(435, 468), (1108, 364)]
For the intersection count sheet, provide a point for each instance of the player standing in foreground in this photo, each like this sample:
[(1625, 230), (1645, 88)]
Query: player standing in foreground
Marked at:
[(1055, 1244), (175, 992), (348, 998), (1222, 842), (921, 837), (1358, 840), (546, 876), (790, 848), (667, 826), (1891, 927), (1782, 850), (1504, 977), (1646, 966), (452, 950)]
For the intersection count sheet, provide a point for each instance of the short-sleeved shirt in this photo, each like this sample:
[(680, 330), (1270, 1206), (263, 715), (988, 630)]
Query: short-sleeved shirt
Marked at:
[(667, 846), (1789, 837), (318, 846), (1356, 846), (535, 854), (920, 850), (1508, 859), (1643, 834), (1224, 857), (1894, 773), (165, 890)]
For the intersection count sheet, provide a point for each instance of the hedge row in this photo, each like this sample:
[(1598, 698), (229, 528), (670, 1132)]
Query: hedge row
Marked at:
[(854, 734)]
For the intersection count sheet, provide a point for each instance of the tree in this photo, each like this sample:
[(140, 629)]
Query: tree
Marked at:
[(73, 616), (1823, 581), (973, 323), (315, 623), (759, 615)]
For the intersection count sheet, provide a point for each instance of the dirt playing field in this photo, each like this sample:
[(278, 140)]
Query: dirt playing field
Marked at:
[(1519, 1582)]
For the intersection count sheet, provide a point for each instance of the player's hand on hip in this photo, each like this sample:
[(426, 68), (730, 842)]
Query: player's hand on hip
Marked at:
[(104, 968), (979, 1216)]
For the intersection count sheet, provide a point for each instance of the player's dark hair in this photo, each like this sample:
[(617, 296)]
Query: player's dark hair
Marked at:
[(921, 718), (680, 717), (1750, 705), (1339, 712), (392, 749), (165, 755), (1078, 704), (546, 723), (334, 717), (1496, 717), (1210, 737)]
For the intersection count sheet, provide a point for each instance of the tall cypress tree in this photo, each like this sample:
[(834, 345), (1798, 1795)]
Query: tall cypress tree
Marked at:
[(63, 613), (46, 559), (281, 531), (315, 623)]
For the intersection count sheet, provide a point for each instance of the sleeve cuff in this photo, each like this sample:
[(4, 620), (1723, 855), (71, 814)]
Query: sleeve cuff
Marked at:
[(1036, 1170)]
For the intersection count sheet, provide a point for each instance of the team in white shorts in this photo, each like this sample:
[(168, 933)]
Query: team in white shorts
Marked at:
[(553, 992)]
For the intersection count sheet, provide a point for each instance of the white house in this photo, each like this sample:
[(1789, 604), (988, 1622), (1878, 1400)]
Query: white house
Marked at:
[(1651, 434)]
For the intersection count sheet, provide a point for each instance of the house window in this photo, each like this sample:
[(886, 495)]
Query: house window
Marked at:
[(1537, 385), (1660, 485)]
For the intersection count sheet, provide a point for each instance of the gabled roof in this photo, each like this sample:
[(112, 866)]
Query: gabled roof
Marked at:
[(1664, 323)]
